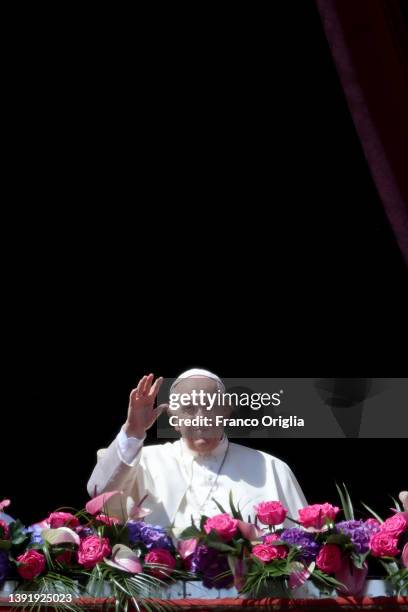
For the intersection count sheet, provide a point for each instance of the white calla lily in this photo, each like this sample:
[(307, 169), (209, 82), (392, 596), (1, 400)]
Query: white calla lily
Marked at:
[(62, 535)]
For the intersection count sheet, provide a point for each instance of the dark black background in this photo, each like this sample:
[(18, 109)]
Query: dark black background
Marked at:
[(197, 196)]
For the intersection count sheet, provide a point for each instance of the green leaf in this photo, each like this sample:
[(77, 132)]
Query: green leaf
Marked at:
[(5, 544), (213, 540), (375, 515), (202, 522), (349, 503), (190, 532), (220, 508), (397, 505), (346, 504), (341, 539), (234, 511)]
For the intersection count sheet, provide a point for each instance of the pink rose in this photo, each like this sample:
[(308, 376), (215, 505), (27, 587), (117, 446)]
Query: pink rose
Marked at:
[(404, 557), (225, 526), (383, 544), (271, 513), (329, 559), (4, 530), (92, 550), (395, 525), (265, 552), (32, 564), (281, 549), (315, 516), (161, 556), (62, 519), (108, 520)]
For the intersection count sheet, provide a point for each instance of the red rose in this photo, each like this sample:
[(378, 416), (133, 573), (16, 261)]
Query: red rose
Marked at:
[(281, 549), (224, 525), (271, 513), (329, 559), (395, 525), (62, 519), (4, 530), (160, 556), (265, 552), (383, 544), (92, 550), (32, 564), (316, 515)]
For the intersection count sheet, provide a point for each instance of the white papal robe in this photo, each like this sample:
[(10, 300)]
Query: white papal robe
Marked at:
[(181, 483)]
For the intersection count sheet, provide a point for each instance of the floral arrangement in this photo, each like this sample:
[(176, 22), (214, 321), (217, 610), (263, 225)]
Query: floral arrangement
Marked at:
[(80, 552), (389, 544), (77, 554), (224, 550)]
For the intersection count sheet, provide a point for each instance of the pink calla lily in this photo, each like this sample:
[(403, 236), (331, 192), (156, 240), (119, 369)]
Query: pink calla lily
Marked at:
[(125, 559), (352, 577), (4, 504), (62, 535), (404, 499), (404, 556), (238, 569), (249, 530), (136, 512), (299, 573), (95, 505), (187, 547)]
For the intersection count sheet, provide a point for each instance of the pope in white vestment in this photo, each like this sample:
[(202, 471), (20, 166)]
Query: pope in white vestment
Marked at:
[(183, 478)]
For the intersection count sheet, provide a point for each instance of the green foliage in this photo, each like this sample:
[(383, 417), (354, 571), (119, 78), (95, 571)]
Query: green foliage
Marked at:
[(236, 513), (55, 584), (324, 582), (190, 532), (374, 514), (212, 539), (346, 504), (396, 575)]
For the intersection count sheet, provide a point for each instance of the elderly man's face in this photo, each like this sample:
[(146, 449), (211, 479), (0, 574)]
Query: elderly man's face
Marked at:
[(200, 437)]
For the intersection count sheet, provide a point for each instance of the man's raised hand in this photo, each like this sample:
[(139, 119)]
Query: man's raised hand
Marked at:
[(141, 412)]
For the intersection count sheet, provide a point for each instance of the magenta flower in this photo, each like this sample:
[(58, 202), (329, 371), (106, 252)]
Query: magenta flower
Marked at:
[(224, 525), (404, 557), (62, 519), (383, 544), (92, 550), (317, 515), (4, 530), (271, 512), (160, 556), (395, 525), (32, 564)]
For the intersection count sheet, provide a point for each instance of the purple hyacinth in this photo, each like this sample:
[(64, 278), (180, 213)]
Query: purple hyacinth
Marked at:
[(4, 565), (84, 532), (35, 532), (209, 563), (152, 536), (299, 537), (135, 531), (359, 533)]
